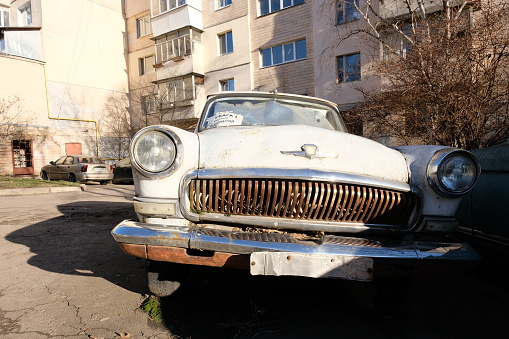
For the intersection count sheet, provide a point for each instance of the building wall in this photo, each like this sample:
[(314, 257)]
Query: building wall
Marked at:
[(236, 65), (284, 26), (328, 45), (86, 66), (64, 88), (34, 119)]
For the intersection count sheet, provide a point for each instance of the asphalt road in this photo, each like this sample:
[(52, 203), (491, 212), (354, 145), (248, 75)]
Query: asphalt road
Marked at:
[(63, 276)]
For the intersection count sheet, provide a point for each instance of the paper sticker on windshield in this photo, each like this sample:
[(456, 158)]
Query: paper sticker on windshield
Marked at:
[(227, 118)]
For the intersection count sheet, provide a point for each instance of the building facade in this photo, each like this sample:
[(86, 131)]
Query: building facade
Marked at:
[(59, 69), (181, 51)]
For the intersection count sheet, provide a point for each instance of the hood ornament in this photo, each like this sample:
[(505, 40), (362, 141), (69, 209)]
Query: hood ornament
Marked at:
[(310, 151)]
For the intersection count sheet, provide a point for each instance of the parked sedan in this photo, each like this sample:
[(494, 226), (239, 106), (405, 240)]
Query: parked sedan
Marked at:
[(482, 211), (122, 173), (78, 168), (272, 183)]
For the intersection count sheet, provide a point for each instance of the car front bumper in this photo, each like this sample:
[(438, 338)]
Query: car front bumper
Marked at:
[(332, 256)]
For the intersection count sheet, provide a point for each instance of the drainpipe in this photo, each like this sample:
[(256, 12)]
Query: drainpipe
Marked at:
[(69, 119)]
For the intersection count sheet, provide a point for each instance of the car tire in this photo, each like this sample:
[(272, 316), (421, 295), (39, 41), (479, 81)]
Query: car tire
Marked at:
[(44, 175), (105, 182), (72, 177), (164, 278)]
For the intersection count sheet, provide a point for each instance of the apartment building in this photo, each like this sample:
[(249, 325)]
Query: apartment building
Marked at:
[(60, 66), (180, 51)]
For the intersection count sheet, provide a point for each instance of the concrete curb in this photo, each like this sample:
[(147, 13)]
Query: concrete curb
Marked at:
[(40, 190)]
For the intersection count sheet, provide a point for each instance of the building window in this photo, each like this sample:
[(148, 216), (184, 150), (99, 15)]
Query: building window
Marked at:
[(269, 6), (177, 90), (143, 26), (146, 65), (397, 44), (25, 15), (4, 17), (349, 67), (166, 5), (2, 41), (227, 85), (226, 43), (224, 3), (347, 11), (284, 53), (175, 44), (148, 104)]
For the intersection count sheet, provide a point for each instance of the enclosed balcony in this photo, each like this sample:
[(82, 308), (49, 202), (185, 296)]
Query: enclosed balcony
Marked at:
[(171, 15)]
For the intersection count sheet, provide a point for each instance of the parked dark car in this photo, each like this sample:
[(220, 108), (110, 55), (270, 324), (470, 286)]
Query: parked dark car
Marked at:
[(122, 173), (481, 212), (78, 168)]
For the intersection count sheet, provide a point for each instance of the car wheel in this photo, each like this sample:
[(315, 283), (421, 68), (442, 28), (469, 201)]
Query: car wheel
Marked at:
[(72, 177), (44, 175), (104, 182), (164, 278)]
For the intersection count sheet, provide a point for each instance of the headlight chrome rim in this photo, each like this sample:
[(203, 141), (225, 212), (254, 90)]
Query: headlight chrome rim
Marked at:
[(166, 170), (441, 182)]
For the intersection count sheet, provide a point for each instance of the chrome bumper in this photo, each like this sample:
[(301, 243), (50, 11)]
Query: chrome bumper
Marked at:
[(203, 238)]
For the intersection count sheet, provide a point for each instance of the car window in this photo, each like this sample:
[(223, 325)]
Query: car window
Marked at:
[(69, 161), (238, 111), (60, 160), (90, 160)]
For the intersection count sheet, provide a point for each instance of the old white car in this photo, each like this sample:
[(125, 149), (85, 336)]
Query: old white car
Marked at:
[(274, 184)]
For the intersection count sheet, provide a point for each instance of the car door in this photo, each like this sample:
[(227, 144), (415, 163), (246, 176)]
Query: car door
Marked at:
[(54, 170), (68, 166)]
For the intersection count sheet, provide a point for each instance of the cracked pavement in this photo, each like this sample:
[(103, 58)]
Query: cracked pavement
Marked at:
[(63, 275)]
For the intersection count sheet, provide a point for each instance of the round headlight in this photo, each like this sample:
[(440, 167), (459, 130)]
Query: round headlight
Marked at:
[(154, 151), (453, 173)]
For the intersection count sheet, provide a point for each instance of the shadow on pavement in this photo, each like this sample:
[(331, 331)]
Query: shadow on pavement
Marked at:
[(220, 303), (79, 243)]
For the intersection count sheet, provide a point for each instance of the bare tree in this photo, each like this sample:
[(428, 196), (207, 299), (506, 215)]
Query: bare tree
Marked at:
[(117, 126), (13, 120), (443, 68), (166, 102)]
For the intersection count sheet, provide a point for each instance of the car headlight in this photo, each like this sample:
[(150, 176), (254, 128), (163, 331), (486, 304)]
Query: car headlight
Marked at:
[(155, 151), (453, 172)]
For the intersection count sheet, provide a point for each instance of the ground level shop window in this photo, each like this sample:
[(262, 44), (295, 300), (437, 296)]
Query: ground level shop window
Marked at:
[(22, 157)]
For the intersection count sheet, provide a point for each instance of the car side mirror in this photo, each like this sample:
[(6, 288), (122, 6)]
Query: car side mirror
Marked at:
[(52, 163)]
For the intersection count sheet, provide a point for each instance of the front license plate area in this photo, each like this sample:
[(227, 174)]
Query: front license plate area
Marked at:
[(312, 265)]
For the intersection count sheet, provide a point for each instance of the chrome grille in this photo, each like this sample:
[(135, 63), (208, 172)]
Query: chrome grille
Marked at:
[(300, 199)]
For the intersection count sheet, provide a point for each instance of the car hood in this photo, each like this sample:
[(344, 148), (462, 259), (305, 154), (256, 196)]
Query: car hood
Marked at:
[(281, 147)]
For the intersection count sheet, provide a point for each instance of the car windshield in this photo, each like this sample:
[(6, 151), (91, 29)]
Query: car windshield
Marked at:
[(90, 160), (260, 111)]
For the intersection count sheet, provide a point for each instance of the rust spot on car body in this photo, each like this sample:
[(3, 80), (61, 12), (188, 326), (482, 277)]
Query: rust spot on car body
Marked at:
[(182, 256)]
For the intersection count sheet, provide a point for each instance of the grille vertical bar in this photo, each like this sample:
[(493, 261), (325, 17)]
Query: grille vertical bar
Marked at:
[(299, 199)]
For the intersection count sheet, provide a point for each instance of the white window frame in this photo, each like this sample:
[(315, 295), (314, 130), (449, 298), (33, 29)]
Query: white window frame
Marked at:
[(167, 5), (143, 26), (148, 104), (347, 11), (4, 14), (283, 4), (25, 14), (145, 65), (341, 64), (225, 40), (286, 50), (223, 3), (227, 85)]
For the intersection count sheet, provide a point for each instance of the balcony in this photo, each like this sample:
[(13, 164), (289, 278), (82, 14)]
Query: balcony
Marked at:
[(174, 49), (177, 18)]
